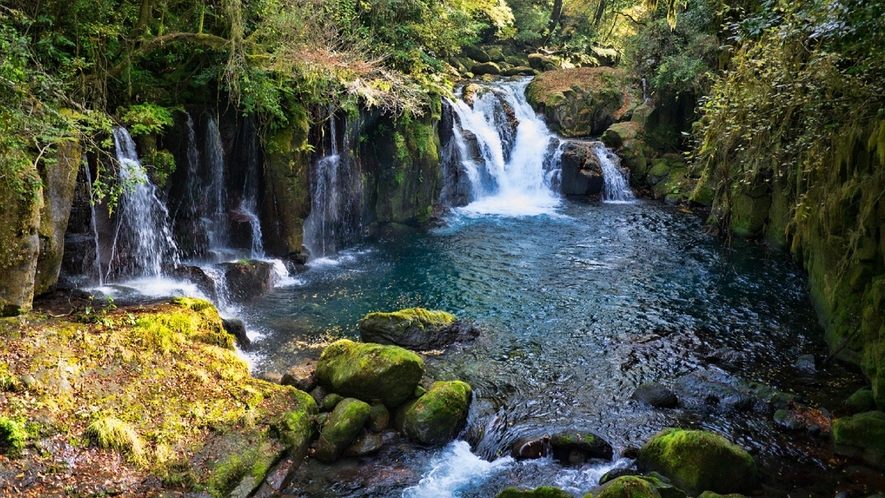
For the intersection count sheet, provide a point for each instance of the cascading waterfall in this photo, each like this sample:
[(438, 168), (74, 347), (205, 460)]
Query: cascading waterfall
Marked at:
[(505, 149), (143, 238), (336, 193), (617, 184), (94, 223), (249, 202), (216, 214)]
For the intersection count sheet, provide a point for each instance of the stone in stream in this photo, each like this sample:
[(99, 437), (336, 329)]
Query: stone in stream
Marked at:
[(370, 371), (633, 486), (654, 394), (439, 415), (301, 376), (699, 461), (366, 443), (542, 492), (247, 279), (416, 328), (379, 417), (531, 447), (342, 428), (574, 447), (236, 328)]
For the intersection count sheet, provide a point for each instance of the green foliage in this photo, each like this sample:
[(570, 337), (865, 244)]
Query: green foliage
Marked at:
[(112, 433), (147, 118), (12, 436)]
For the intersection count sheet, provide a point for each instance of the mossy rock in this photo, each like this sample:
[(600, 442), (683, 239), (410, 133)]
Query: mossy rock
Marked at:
[(629, 487), (572, 444), (439, 415), (862, 435), (370, 371), (748, 214), (409, 328), (342, 428), (12, 436), (861, 401), (582, 101), (710, 494), (699, 461), (542, 492), (618, 133)]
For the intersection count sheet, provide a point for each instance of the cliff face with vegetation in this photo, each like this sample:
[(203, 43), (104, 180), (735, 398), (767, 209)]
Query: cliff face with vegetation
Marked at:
[(793, 141)]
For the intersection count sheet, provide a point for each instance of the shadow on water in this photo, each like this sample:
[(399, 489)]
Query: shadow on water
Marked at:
[(577, 308)]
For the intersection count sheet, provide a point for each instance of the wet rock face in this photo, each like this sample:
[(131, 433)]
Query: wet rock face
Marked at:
[(19, 245), (237, 328), (575, 447), (581, 173), (59, 180), (654, 394), (247, 279)]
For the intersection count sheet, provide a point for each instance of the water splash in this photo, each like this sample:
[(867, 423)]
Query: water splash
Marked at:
[(456, 468)]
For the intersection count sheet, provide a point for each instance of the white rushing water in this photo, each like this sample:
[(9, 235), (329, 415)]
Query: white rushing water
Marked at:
[(506, 167), (143, 238), (456, 468), (617, 184)]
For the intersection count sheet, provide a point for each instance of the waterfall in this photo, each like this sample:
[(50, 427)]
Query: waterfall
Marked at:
[(94, 222), (505, 150), (216, 214), (249, 201), (617, 188), (335, 198), (142, 240)]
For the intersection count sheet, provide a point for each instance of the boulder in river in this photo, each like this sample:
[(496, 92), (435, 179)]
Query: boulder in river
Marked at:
[(580, 171), (715, 388), (699, 461), (342, 428), (439, 415), (247, 279), (542, 492), (416, 328), (370, 371), (531, 447), (628, 487), (576, 447), (654, 394)]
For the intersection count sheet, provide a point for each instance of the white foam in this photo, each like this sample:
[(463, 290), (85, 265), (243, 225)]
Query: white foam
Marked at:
[(454, 469)]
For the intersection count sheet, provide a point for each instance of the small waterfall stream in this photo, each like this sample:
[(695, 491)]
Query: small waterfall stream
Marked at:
[(142, 241), (617, 184), (216, 218)]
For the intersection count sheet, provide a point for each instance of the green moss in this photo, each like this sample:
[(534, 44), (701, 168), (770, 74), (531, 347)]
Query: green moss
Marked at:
[(112, 433), (699, 461), (629, 487), (438, 415), (864, 430), (246, 468), (12, 436), (541, 492), (342, 428)]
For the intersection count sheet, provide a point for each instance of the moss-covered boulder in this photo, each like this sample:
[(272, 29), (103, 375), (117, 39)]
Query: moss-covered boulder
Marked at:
[(618, 133), (576, 447), (542, 492), (415, 328), (861, 401), (583, 101), (862, 435), (629, 487), (699, 461), (370, 371), (342, 428), (439, 415)]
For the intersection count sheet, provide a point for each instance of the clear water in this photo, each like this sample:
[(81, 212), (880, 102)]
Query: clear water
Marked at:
[(577, 307)]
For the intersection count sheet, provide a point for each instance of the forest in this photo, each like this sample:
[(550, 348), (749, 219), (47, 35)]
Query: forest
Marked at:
[(662, 223)]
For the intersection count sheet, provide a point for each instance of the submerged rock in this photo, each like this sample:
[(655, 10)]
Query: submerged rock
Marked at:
[(576, 447), (439, 415), (342, 428), (370, 371), (415, 328), (716, 388), (654, 394), (699, 461)]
